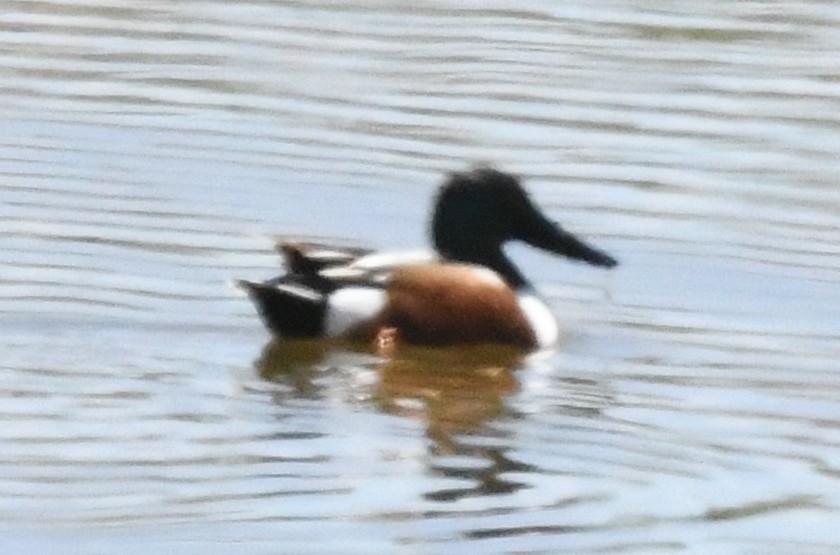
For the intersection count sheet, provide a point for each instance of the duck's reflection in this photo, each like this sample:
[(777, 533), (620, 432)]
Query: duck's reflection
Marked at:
[(455, 392)]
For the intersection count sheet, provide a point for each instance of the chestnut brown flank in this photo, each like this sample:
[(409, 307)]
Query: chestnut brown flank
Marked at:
[(446, 304)]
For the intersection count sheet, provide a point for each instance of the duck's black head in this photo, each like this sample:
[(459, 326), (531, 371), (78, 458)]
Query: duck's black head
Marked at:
[(478, 211)]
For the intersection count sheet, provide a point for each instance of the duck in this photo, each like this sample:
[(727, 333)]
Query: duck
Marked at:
[(466, 291)]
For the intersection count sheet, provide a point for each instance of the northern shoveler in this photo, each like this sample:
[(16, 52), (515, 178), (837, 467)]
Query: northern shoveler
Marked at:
[(467, 292)]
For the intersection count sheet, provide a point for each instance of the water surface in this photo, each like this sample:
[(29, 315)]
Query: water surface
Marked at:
[(149, 154)]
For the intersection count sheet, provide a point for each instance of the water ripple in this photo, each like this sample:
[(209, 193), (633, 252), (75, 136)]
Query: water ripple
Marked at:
[(149, 155)]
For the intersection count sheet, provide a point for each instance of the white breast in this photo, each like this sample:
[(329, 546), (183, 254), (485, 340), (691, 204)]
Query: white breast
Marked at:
[(540, 317)]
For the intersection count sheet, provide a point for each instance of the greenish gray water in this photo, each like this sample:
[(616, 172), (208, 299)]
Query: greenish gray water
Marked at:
[(150, 152)]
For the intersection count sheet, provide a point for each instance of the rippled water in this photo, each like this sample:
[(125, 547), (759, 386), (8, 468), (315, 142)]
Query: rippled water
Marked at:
[(150, 151)]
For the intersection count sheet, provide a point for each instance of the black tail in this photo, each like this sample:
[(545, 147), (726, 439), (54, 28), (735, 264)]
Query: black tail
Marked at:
[(288, 310)]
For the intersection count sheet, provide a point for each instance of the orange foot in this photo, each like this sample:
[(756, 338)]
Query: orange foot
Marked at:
[(385, 342)]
